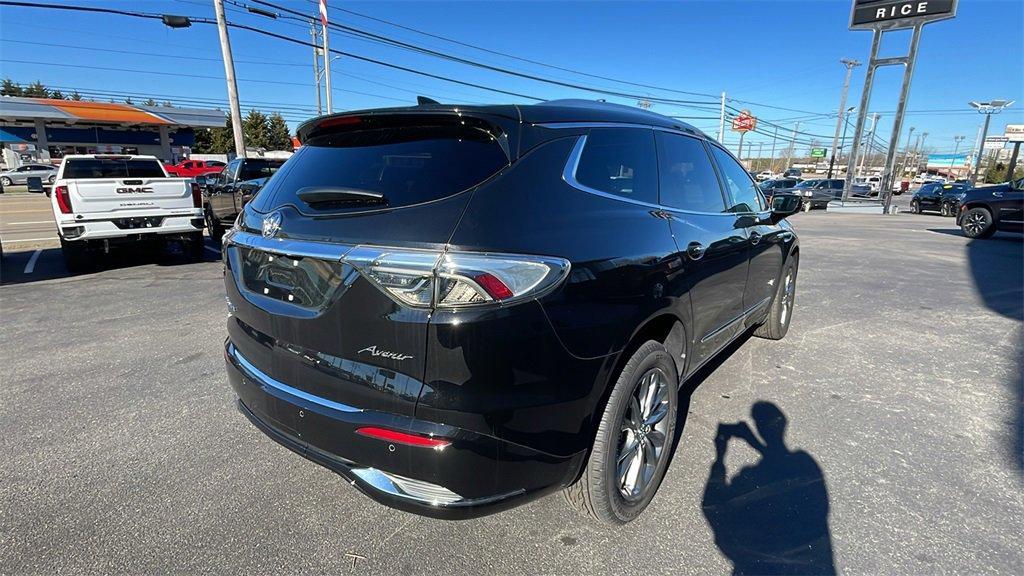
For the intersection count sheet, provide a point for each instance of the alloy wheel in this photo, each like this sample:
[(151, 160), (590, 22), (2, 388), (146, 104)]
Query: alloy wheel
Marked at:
[(5, 181), (644, 434), (975, 223), (788, 288)]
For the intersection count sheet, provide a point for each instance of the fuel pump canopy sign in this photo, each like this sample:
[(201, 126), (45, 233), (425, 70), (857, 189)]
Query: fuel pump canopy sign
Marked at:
[(895, 14)]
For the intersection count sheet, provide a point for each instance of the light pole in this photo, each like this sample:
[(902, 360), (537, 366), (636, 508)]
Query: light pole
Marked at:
[(958, 140), (988, 109), (846, 124), (906, 154), (842, 103)]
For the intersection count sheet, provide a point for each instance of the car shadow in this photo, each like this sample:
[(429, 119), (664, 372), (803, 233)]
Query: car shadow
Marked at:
[(770, 517), (20, 268), (997, 270)]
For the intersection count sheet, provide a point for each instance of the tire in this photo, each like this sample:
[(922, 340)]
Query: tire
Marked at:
[(194, 246), (807, 206), (77, 258), (213, 226), (977, 223), (915, 206), (51, 179), (776, 325), (602, 492), (5, 181)]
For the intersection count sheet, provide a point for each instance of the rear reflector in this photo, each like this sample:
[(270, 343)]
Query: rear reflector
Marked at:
[(496, 288), (63, 199), (403, 438), (197, 196)]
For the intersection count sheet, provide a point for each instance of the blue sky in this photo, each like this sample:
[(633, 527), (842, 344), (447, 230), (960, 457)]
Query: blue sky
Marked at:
[(780, 58)]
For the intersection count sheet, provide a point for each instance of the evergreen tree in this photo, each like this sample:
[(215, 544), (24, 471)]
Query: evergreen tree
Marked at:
[(128, 100), (11, 88), (56, 95), (167, 104), (222, 140), (254, 128), (204, 141), (149, 102), (278, 136), (76, 96), (36, 90)]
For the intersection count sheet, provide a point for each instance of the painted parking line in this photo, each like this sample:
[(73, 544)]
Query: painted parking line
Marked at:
[(27, 223), (31, 266), (15, 241)]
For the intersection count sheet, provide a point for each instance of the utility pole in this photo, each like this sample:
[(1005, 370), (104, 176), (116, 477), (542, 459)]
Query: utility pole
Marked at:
[(792, 145), (920, 154), (988, 109), (760, 150), (327, 56), (721, 121), (958, 140), (975, 151), (871, 143), (850, 64), (771, 163), (316, 66), (906, 154), (229, 73)]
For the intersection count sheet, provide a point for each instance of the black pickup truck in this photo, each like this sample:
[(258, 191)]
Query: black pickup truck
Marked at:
[(226, 193)]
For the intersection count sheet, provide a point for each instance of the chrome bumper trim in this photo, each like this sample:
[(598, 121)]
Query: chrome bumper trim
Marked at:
[(264, 379)]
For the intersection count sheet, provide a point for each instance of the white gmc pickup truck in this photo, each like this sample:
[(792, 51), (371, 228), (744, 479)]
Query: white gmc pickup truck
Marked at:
[(99, 200)]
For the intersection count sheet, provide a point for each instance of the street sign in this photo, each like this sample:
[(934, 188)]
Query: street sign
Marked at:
[(818, 152), (1013, 133), (744, 122), (995, 142), (895, 14)]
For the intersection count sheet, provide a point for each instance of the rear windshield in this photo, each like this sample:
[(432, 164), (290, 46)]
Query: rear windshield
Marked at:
[(253, 169), (385, 168), (112, 168)]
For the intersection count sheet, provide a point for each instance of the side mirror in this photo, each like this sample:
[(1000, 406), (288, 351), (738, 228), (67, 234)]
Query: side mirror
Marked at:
[(783, 206)]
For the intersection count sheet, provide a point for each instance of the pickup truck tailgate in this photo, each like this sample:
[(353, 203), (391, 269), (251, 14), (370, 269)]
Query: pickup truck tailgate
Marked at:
[(104, 195)]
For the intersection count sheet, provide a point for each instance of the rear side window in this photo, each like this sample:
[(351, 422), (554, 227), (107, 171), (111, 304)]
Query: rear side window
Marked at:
[(620, 161), (688, 181), (386, 168), (252, 169), (86, 168)]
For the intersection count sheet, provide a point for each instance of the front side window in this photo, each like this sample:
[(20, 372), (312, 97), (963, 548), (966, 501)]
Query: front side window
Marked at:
[(620, 161), (687, 178), (741, 191)]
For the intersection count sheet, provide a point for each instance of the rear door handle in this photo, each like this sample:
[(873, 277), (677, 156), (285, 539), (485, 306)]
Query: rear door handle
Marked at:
[(755, 238), (997, 194), (695, 250)]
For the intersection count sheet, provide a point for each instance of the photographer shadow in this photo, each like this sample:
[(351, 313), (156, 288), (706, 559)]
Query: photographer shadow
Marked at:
[(771, 517)]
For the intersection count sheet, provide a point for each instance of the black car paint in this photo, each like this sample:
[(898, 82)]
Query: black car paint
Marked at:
[(932, 196), (1005, 202), (518, 389)]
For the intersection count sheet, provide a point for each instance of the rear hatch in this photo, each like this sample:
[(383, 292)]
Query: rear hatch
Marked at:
[(330, 273), (122, 184)]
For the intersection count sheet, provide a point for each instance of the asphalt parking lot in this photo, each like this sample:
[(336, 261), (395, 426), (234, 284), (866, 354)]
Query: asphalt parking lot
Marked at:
[(900, 377)]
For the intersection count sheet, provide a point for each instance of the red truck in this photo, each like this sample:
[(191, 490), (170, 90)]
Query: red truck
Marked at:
[(190, 168)]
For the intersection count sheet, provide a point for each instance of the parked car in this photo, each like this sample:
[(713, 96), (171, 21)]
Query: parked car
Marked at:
[(985, 210), (819, 192), (460, 309), (20, 175), (936, 197), (99, 200), (191, 168), (226, 193), (765, 175), (770, 187), (862, 190), (793, 173)]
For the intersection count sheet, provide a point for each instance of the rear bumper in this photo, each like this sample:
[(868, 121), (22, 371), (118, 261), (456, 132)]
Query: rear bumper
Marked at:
[(106, 226), (474, 476)]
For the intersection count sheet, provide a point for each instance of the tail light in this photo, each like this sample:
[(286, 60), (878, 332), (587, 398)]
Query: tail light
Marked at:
[(423, 278), (197, 195), (63, 199), (397, 437)]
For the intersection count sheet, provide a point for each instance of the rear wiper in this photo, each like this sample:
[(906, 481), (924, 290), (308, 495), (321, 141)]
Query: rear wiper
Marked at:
[(331, 195)]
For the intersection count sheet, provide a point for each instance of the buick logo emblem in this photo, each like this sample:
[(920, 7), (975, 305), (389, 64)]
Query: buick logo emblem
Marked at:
[(271, 224)]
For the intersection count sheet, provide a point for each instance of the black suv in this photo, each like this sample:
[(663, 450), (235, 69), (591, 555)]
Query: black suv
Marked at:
[(942, 198), (985, 210), (460, 309)]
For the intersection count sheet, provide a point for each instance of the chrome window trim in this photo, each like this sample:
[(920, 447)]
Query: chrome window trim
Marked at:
[(287, 246), (569, 175), (264, 379)]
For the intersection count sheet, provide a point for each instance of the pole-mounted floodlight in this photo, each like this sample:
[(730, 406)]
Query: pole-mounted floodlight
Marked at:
[(988, 109), (172, 21)]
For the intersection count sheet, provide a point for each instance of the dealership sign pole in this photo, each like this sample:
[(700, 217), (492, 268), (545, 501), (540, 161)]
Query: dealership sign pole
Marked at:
[(743, 123), (881, 16)]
